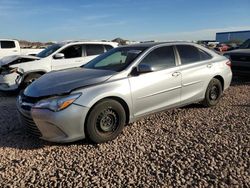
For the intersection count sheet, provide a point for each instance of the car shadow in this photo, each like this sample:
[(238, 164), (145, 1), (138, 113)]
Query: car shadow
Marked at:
[(194, 105), (19, 138), (14, 135)]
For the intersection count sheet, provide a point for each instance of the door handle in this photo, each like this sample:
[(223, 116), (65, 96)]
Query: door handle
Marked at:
[(209, 65), (175, 74), (14, 50), (78, 61)]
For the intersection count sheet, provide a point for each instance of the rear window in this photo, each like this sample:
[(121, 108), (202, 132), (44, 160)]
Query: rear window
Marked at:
[(94, 49), (7, 44), (190, 54)]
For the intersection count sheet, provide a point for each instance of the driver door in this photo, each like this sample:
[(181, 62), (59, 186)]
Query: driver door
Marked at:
[(160, 89), (73, 57)]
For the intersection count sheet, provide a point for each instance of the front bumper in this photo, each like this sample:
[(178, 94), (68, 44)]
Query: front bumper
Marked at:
[(10, 82), (63, 126)]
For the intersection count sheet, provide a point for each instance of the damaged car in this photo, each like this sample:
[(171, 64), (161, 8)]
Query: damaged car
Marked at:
[(11, 76), (19, 71)]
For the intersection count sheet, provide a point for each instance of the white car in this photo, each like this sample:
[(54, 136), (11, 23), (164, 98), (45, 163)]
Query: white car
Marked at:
[(12, 47), (56, 57)]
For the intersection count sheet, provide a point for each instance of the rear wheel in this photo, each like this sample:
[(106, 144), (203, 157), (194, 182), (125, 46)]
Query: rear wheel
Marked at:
[(213, 93), (105, 121)]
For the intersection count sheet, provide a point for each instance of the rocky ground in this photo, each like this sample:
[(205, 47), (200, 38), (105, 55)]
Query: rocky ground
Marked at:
[(190, 146)]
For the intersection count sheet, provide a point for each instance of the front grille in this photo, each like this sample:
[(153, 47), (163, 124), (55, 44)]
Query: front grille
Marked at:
[(26, 119), (30, 125), (31, 100), (240, 58)]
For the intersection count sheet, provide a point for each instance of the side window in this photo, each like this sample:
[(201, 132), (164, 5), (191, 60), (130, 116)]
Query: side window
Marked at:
[(204, 55), (7, 44), (72, 51), (160, 58), (191, 54), (94, 49), (108, 47)]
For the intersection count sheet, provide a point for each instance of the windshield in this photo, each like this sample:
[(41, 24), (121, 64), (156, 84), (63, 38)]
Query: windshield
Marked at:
[(48, 51), (116, 59)]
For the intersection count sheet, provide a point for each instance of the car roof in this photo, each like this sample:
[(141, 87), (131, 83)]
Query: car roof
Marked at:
[(87, 42), (148, 45), (152, 44), (8, 40)]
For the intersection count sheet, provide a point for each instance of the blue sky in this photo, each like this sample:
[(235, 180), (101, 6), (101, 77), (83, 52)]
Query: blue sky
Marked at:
[(45, 20)]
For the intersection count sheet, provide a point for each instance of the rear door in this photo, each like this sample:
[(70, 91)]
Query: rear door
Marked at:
[(159, 89), (196, 67), (8, 48), (73, 57)]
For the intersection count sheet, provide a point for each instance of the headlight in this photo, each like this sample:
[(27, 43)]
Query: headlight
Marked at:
[(17, 70), (57, 103), (10, 70)]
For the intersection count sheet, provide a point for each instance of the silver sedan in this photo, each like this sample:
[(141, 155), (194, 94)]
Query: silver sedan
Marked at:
[(126, 83)]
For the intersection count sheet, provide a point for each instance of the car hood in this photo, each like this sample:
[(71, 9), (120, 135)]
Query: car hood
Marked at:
[(11, 60), (63, 82), (238, 52)]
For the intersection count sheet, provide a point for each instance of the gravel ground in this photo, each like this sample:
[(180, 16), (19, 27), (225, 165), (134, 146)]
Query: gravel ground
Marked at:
[(190, 146)]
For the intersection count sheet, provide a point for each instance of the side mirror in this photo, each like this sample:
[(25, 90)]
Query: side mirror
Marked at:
[(59, 56), (140, 69), (144, 68)]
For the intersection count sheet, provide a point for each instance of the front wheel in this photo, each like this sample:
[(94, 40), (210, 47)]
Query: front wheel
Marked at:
[(30, 78), (105, 121), (213, 93)]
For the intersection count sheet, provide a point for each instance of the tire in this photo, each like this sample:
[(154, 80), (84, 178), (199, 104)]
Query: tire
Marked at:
[(30, 78), (105, 121), (213, 93)]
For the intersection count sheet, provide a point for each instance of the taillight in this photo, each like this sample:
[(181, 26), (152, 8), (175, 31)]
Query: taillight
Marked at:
[(228, 63)]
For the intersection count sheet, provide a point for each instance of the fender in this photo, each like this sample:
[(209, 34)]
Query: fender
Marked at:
[(93, 94)]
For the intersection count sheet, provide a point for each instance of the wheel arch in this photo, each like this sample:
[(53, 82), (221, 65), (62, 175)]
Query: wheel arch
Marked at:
[(118, 99), (221, 79), (33, 72)]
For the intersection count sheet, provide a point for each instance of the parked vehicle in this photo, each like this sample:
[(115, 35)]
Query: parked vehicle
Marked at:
[(222, 47), (56, 57), (11, 47), (240, 59), (96, 100)]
